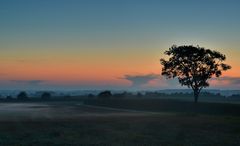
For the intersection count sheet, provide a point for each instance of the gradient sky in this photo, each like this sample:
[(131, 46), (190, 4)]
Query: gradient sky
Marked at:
[(115, 44)]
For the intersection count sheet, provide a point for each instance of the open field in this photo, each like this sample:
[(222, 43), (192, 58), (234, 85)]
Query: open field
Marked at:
[(73, 123)]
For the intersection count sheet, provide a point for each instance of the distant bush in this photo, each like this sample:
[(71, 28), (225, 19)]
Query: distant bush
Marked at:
[(9, 97), (155, 94), (91, 96), (105, 95), (22, 96), (122, 95), (235, 96), (67, 96), (46, 95), (139, 94)]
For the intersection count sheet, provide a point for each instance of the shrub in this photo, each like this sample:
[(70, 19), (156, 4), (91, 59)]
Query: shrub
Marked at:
[(22, 96), (105, 95)]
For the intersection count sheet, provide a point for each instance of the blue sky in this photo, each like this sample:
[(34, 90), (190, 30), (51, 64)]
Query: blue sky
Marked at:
[(85, 18), (56, 40)]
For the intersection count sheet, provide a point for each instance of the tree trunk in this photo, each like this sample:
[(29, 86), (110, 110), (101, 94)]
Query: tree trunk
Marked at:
[(196, 95)]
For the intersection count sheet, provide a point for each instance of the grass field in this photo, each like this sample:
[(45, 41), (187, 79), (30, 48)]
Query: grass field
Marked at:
[(123, 123)]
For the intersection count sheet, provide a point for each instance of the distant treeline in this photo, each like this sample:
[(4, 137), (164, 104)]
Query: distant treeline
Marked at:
[(24, 96), (122, 95), (108, 94)]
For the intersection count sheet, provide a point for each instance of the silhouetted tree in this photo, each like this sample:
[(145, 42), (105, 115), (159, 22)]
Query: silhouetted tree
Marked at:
[(90, 96), (193, 66), (46, 95), (139, 94), (22, 96), (234, 96), (9, 97), (122, 95), (105, 95)]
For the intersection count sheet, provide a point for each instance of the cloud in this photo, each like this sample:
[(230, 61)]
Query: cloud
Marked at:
[(227, 82), (138, 80), (232, 80), (28, 82), (151, 81), (156, 81)]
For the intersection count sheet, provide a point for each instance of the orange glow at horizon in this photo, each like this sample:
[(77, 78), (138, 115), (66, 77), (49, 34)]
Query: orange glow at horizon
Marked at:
[(88, 68), (72, 69)]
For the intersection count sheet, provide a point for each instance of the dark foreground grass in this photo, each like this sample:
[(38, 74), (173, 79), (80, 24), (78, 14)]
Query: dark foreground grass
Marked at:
[(170, 105), (76, 124), (165, 130)]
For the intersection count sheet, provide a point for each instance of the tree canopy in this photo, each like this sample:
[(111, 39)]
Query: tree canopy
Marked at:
[(193, 66)]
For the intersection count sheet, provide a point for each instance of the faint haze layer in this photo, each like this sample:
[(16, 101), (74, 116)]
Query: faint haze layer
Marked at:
[(112, 44)]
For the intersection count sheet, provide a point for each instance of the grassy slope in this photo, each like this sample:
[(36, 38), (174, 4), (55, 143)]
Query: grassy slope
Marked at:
[(149, 130), (178, 128), (169, 105)]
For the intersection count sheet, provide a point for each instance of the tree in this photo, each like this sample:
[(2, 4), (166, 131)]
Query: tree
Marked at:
[(91, 96), (46, 95), (22, 96), (9, 97), (105, 95), (193, 66)]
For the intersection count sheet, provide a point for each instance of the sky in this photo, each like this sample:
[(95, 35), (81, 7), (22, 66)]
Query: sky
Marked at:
[(110, 44)]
